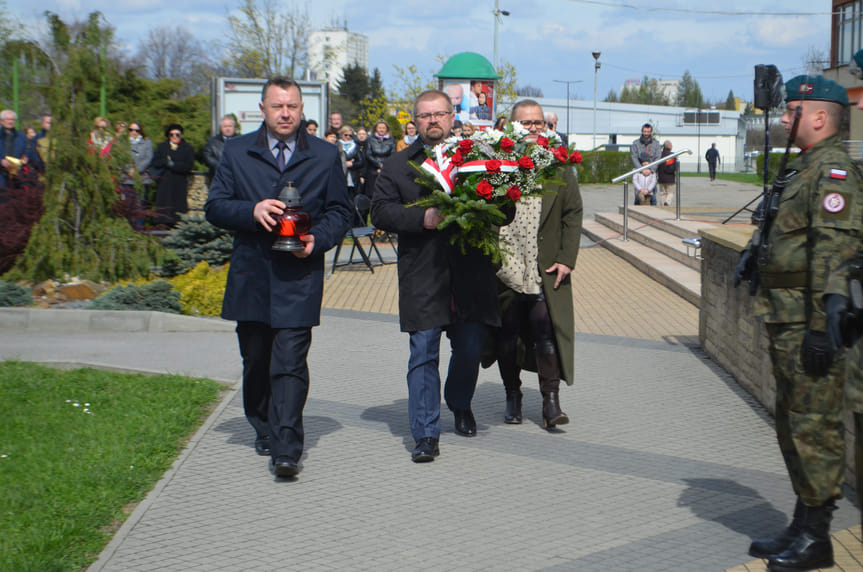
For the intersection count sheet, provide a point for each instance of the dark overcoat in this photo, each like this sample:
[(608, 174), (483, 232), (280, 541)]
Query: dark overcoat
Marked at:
[(264, 285), (558, 237), (172, 189), (438, 285)]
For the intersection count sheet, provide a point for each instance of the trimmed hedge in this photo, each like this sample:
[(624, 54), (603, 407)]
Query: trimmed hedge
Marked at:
[(603, 166)]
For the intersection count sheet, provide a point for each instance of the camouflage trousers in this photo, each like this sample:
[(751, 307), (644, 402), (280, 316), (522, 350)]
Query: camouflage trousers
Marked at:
[(808, 418), (854, 401)]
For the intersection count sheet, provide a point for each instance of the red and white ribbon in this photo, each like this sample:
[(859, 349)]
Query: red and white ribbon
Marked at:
[(482, 167), (442, 169)]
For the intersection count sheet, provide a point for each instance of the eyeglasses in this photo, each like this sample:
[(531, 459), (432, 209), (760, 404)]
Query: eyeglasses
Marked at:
[(174, 134), (138, 129), (347, 135), (536, 123), (437, 115)]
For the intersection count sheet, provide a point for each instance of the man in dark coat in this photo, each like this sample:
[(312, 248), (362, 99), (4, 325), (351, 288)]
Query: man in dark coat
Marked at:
[(275, 297), (712, 157), (13, 144), (216, 143), (440, 289)]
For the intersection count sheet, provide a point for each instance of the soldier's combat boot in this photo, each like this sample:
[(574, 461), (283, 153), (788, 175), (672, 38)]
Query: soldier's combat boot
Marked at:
[(767, 547), (549, 385), (509, 373), (812, 549)]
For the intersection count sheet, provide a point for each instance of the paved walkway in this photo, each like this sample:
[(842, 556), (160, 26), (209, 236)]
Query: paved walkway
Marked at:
[(666, 465)]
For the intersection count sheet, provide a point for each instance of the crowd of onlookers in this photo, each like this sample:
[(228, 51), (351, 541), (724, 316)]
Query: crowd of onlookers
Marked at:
[(153, 185)]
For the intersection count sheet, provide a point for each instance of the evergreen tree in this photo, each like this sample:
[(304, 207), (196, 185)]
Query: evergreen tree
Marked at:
[(689, 93), (80, 233), (611, 97), (730, 101), (354, 85)]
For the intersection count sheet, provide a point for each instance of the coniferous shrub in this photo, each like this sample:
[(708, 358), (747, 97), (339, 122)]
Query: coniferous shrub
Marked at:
[(195, 240), (80, 233), (202, 289), (14, 295), (157, 296)]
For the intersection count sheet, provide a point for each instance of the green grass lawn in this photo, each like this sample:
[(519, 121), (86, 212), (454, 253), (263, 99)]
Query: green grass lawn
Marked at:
[(78, 449)]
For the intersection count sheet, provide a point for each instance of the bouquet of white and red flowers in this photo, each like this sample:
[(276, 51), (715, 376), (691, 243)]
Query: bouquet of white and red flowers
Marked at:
[(472, 178)]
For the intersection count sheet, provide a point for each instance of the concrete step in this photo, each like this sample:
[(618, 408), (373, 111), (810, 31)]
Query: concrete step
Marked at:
[(674, 275), (651, 235), (663, 218)]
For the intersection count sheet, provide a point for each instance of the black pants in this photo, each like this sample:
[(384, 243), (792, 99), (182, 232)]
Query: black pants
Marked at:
[(276, 383)]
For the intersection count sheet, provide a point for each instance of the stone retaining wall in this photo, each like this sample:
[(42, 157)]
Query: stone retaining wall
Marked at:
[(730, 329)]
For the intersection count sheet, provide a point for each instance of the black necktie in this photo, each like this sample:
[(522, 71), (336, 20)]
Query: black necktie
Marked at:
[(280, 156)]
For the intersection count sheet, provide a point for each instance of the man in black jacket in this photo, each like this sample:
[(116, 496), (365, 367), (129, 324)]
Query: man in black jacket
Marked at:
[(216, 143), (440, 289)]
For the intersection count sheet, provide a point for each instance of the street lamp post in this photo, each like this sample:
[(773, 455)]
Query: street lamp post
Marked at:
[(567, 99), (596, 67), (497, 18)]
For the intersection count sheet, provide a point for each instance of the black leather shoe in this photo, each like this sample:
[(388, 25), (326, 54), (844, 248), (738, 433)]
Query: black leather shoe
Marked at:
[(465, 424), (284, 467), (426, 450), (262, 445)]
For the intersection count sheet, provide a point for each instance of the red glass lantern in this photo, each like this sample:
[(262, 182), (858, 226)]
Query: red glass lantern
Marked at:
[(292, 223)]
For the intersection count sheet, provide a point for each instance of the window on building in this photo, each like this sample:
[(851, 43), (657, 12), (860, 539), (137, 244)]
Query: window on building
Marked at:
[(850, 40)]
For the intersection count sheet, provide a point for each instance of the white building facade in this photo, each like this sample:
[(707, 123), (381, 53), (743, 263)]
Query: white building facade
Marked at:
[(332, 49)]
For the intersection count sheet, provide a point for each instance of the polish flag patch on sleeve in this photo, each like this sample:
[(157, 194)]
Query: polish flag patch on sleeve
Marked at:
[(838, 174)]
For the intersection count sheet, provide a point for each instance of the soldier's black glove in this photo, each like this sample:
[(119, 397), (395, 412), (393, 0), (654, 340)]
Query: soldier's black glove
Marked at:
[(817, 353), (836, 306), (745, 267)]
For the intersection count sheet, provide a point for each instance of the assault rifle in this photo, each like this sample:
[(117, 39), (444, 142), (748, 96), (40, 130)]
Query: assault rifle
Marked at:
[(765, 213)]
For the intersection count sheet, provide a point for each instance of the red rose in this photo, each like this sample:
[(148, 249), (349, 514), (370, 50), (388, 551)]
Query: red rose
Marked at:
[(506, 144), (575, 157), (492, 166), (561, 154), (465, 145), (457, 159), (484, 189), (513, 193), (525, 162), (542, 141)]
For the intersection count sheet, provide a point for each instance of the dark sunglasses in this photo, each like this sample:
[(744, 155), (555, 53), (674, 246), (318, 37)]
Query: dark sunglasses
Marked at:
[(175, 134), (134, 129)]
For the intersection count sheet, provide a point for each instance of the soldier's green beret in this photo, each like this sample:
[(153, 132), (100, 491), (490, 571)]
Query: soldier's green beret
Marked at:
[(815, 88)]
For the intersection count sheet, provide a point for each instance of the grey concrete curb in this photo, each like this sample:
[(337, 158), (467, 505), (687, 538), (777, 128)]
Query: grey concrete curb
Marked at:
[(78, 321), (140, 510)]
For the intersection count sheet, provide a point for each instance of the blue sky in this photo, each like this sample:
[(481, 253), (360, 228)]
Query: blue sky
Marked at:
[(545, 39)]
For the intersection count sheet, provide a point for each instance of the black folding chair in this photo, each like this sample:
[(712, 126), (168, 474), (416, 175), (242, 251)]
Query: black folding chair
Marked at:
[(361, 206)]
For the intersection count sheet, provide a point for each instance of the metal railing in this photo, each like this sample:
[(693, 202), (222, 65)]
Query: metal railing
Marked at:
[(627, 175)]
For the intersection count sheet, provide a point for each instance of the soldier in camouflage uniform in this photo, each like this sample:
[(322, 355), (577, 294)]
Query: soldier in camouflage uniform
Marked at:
[(818, 224), (836, 296)]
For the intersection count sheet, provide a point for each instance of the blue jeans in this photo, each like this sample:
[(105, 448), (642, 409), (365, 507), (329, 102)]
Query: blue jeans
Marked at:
[(466, 341)]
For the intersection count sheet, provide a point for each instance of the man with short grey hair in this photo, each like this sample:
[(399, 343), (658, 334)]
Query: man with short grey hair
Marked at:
[(13, 145), (551, 119), (216, 144)]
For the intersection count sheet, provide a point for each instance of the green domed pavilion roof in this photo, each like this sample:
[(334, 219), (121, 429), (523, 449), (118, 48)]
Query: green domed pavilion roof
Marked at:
[(468, 65)]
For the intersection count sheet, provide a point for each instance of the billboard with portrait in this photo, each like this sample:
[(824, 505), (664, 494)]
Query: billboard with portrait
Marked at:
[(472, 100)]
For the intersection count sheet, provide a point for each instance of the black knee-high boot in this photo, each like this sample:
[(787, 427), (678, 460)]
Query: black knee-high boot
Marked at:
[(549, 385)]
